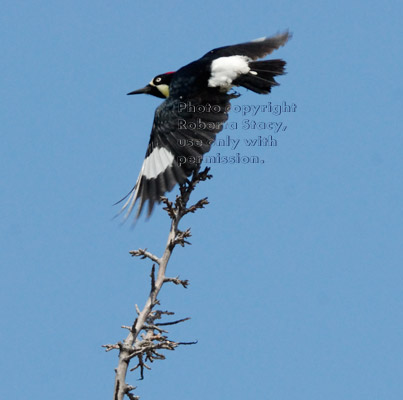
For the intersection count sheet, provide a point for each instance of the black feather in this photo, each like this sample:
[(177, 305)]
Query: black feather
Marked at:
[(260, 78)]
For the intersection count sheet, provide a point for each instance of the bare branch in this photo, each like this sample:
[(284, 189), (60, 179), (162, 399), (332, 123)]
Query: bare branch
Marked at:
[(110, 347), (126, 327), (200, 204), (152, 275), (168, 207), (180, 237), (187, 343), (147, 346), (177, 281), (173, 322), (131, 396), (143, 253), (155, 327)]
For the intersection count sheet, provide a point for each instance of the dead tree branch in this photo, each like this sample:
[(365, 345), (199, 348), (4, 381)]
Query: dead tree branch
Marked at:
[(146, 347)]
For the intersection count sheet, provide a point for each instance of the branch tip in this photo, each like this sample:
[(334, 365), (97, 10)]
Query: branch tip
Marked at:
[(177, 281), (173, 322)]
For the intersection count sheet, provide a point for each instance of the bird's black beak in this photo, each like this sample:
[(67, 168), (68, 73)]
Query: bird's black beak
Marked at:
[(149, 89), (146, 90)]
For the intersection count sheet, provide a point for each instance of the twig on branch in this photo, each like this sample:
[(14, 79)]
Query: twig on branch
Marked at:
[(181, 236), (168, 207), (152, 275), (143, 253), (145, 347), (177, 281), (200, 204), (172, 323), (109, 347), (156, 328), (131, 396)]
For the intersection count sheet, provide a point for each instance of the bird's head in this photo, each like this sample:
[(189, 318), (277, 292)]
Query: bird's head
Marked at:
[(158, 87)]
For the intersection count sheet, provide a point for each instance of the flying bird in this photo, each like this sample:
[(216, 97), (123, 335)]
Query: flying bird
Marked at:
[(196, 106)]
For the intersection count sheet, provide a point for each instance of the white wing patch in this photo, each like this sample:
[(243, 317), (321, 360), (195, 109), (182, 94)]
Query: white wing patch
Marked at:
[(225, 70), (156, 162)]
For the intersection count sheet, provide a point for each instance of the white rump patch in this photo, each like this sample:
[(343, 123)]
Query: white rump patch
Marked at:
[(225, 70), (156, 162)]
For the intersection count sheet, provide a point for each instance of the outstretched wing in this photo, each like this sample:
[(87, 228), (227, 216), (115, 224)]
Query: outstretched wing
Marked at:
[(255, 49), (237, 66), (183, 130)]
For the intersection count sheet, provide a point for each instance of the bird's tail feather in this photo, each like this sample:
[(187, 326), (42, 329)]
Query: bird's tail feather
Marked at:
[(260, 78)]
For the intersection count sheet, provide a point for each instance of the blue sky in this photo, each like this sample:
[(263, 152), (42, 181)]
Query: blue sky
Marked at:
[(295, 266)]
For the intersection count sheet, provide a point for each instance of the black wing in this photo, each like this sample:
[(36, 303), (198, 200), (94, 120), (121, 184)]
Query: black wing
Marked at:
[(183, 130), (255, 49)]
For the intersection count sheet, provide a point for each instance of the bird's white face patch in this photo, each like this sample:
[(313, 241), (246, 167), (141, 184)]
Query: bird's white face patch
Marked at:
[(225, 70), (157, 162), (163, 88)]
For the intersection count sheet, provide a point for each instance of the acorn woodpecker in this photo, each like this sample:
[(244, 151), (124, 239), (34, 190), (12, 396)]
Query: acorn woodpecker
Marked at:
[(195, 108)]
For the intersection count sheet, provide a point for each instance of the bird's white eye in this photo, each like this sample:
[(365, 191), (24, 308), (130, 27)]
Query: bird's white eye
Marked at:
[(157, 79)]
